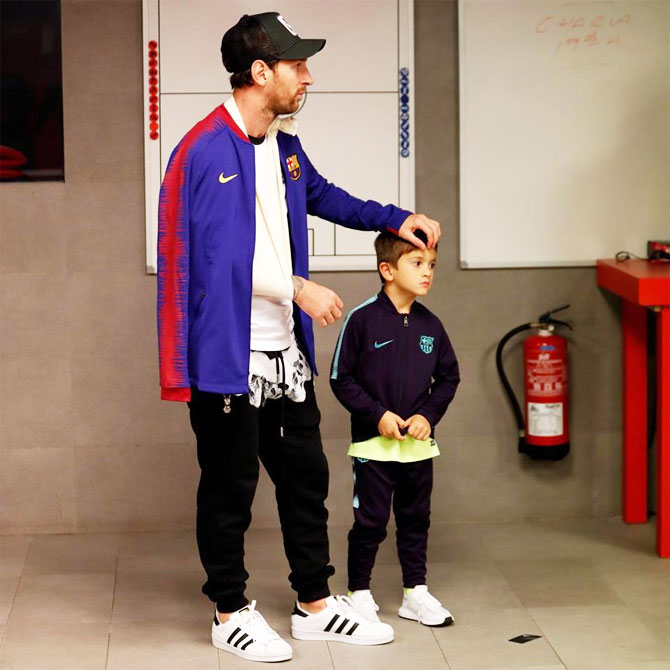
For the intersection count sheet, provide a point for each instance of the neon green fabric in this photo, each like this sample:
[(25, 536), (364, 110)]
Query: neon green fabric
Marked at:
[(387, 449)]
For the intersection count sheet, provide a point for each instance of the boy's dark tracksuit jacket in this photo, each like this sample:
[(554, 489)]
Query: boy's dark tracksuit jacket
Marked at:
[(384, 360)]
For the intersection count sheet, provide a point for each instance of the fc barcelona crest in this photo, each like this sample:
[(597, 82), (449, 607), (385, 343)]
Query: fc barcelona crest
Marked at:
[(293, 167), (426, 344)]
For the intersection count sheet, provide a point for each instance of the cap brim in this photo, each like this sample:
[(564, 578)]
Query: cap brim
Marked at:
[(302, 49)]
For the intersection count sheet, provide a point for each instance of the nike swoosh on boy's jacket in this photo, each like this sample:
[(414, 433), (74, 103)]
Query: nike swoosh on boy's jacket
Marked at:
[(415, 373), (206, 239)]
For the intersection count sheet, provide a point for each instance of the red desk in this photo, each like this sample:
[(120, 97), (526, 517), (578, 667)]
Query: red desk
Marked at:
[(643, 285)]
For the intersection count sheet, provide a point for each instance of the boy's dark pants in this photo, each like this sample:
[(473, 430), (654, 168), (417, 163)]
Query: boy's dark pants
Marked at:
[(229, 446), (377, 485)]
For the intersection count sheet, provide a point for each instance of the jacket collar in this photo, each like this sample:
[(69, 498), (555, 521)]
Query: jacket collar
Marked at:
[(386, 303), (227, 118), (233, 119)]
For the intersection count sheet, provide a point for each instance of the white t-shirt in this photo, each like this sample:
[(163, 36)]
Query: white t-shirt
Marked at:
[(272, 292)]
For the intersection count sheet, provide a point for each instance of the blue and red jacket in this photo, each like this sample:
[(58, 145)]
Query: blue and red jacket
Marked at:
[(387, 361), (206, 240)]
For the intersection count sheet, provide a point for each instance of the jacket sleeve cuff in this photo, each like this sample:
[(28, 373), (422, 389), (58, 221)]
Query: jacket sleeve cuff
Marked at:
[(428, 417), (379, 414), (398, 219), (177, 394)]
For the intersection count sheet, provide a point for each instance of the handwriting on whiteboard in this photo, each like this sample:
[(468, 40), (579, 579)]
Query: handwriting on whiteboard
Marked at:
[(579, 32)]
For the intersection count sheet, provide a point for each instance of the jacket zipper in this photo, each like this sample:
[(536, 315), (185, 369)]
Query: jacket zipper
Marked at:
[(401, 367)]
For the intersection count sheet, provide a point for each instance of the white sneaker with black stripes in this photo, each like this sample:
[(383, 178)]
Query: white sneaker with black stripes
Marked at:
[(338, 622), (248, 635)]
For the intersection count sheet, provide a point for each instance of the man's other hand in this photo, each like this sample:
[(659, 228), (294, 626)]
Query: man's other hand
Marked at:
[(422, 222), (320, 302), (389, 426)]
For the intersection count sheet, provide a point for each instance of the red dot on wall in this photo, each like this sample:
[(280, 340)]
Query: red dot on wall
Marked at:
[(153, 53), (153, 90), (152, 63), (153, 108), (153, 72), (153, 44), (153, 117), (153, 81), (153, 99), (153, 126), (153, 136)]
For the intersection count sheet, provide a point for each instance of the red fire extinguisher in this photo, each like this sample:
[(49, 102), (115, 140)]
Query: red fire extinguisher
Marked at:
[(543, 425)]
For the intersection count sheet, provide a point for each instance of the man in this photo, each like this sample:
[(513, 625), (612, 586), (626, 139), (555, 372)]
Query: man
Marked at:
[(235, 311)]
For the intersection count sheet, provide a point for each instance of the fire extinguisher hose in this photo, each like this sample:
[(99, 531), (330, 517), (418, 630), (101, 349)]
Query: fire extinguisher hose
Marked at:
[(516, 408)]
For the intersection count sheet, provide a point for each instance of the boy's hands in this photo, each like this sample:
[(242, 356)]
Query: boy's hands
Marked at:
[(391, 424), (418, 427), (320, 302)]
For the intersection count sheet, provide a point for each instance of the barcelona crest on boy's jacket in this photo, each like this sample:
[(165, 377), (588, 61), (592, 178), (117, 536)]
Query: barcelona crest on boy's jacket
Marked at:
[(293, 166), (426, 344)]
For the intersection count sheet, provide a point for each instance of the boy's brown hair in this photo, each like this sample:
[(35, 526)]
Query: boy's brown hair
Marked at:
[(390, 248)]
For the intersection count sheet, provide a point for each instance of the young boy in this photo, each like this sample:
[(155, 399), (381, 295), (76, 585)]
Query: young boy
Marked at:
[(394, 369)]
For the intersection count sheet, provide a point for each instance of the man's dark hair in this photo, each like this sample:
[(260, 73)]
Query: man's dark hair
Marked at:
[(390, 248), (244, 79), (246, 36)]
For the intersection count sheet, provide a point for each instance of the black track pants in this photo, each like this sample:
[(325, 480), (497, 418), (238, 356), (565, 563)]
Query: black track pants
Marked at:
[(229, 448), (378, 486)]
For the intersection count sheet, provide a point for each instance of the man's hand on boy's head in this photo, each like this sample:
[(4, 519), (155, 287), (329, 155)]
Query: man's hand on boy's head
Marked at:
[(418, 427), (422, 222), (319, 302), (390, 424)]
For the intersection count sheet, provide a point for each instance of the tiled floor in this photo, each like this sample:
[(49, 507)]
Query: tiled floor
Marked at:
[(592, 589)]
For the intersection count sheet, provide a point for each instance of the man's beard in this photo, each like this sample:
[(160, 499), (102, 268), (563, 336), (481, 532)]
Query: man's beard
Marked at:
[(284, 106)]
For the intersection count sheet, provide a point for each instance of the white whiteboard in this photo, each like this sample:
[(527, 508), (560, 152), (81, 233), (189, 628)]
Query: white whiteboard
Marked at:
[(565, 130), (351, 122)]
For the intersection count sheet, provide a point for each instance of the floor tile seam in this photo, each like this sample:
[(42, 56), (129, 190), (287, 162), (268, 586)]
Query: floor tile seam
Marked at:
[(116, 625), (168, 571), (560, 557), (20, 568), (619, 600), (509, 585), (439, 646), (153, 571), (627, 600), (123, 445), (628, 612), (109, 637), (330, 655), (36, 573), (546, 637), (51, 445), (16, 592), (111, 613)]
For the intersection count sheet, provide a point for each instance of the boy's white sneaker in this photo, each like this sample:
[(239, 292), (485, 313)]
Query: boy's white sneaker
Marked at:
[(363, 602), (248, 635), (339, 622), (420, 606)]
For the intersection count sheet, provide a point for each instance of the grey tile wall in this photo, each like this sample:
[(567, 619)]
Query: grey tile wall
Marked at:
[(85, 442)]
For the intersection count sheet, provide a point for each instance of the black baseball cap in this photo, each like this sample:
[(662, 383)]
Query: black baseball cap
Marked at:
[(266, 36)]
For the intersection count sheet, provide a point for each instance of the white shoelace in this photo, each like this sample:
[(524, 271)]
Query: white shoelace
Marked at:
[(425, 601), (366, 605), (259, 628), (367, 599)]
